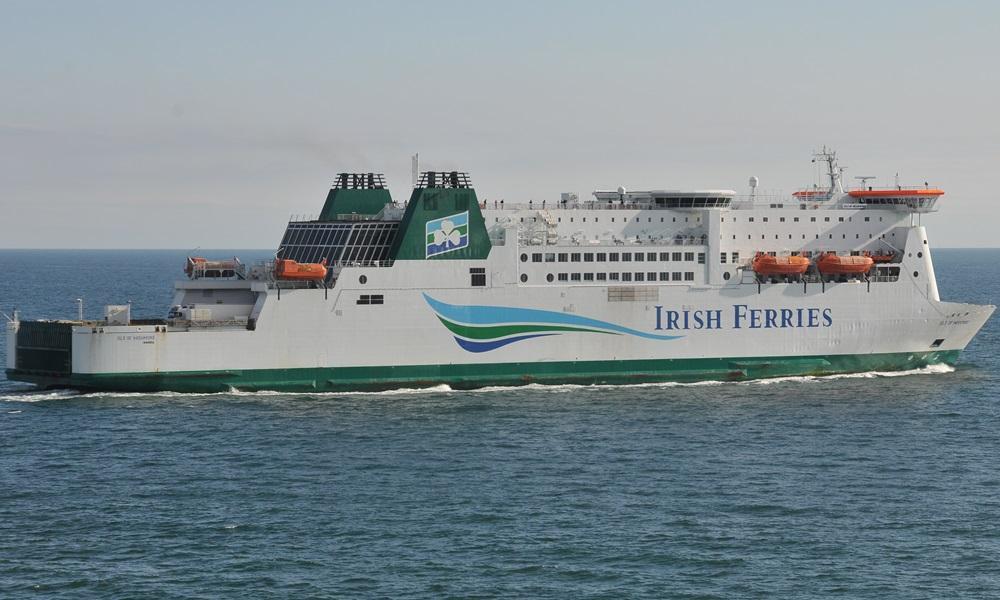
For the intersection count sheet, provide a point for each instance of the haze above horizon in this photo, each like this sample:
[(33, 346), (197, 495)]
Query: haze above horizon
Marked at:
[(175, 125)]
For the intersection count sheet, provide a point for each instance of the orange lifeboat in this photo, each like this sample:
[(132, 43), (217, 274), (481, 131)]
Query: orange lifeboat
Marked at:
[(831, 264), (198, 266), (881, 258), (765, 264), (295, 271)]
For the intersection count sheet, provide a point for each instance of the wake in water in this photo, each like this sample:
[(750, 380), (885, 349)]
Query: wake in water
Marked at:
[(31, 396)]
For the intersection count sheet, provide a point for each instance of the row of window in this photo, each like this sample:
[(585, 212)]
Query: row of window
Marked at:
[(811, 219), (348, 242), (650, 276), (548, 257), (843, 236), (598, 220), (371, 299)]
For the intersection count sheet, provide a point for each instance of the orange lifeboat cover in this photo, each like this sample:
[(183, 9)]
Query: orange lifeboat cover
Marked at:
[(831, 264), (880, 258), (285, 268), (765, 264)]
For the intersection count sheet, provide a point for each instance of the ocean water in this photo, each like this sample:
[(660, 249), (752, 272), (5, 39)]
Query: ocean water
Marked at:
[(863, 486)]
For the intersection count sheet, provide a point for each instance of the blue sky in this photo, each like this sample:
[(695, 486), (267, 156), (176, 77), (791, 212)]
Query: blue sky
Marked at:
[(142, 124)]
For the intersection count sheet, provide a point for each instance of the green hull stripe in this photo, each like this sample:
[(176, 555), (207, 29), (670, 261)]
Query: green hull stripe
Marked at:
[(467, 376), (492, 332)]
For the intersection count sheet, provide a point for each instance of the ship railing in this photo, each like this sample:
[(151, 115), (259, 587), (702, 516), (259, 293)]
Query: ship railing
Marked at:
[(696, 240), (208, 323), (302, 218), (926, 186), (340, 264)]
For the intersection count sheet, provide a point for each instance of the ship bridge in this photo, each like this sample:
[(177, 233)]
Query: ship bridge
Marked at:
[(670, 199)]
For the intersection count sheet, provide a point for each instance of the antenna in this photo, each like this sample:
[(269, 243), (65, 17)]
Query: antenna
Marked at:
[(864, 179), (754, 182), (415, 169), (834, 172)]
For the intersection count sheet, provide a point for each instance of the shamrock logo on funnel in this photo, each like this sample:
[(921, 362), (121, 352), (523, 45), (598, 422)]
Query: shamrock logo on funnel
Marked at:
[(447, 234)]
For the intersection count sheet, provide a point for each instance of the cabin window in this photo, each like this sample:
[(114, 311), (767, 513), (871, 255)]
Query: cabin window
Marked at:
[(701, 258), (549, 278), (371, 299), (601, 257), (640, 277), (675, 276), (588, 257), (574, 277), (550, 257), (563, 256), (664, 256), (937, 343), (563, 277), (574, 257), (651, 256), (676, 256), (689, 256), (613, 276), (664, 276), (613, 257), (751, 219), (812, 219), (689, 276), (722, 258), (478, 276), (536, 257), (524, 278), (639, 257), (626, 257), (602, 276), (626, 277), (736, 257), (588, 276), (524, 258)]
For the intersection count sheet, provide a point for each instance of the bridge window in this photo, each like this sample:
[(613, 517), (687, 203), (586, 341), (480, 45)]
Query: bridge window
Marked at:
[(371, 299)]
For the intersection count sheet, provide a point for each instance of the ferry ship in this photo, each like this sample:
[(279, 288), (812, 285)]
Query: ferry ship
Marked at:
[(621, 287)]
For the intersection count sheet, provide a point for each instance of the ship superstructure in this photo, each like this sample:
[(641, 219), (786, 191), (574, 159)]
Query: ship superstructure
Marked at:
[(625, 286)]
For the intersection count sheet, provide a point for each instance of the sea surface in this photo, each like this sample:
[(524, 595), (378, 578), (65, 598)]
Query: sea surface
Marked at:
[(864, 486)]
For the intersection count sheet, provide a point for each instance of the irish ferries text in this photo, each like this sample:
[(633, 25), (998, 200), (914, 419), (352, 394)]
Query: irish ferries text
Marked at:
[(742, 316)]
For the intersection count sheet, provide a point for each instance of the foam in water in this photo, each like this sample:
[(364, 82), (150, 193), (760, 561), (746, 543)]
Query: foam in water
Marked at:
[(445, 389)]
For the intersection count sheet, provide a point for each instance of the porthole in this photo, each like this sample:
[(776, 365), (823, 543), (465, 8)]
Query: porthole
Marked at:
[(920, 254), (363, 279), (549, 278), (524, 258), (915, 274), (524, 278), (726, 275)]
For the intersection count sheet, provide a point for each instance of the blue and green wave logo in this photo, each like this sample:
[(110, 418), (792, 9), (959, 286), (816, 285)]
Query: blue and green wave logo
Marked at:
[(485, 328)]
